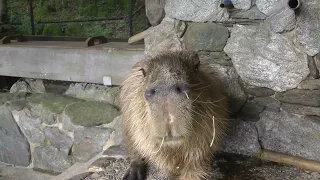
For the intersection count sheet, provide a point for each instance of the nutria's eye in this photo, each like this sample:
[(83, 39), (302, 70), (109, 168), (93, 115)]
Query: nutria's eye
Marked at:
[(149, 93), (143, 72)]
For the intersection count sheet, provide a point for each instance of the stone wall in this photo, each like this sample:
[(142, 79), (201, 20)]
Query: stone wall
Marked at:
[(50, 132), (269, 57)]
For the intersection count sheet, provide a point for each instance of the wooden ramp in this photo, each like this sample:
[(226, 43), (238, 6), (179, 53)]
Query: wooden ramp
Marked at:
[(68, 59)]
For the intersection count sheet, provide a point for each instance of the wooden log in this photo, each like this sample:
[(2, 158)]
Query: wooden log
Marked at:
[(137, 37), (290, 160)]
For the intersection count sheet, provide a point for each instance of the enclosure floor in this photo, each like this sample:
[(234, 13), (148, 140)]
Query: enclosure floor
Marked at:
[(226, 167), (17, 173)]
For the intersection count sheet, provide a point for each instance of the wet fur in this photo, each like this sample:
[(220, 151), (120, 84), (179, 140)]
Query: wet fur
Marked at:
[(192, 160)]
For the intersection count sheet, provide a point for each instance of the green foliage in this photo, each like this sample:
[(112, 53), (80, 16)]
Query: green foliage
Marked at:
[(55, 10)]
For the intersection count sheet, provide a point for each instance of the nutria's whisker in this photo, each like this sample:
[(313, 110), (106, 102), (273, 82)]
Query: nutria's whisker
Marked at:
[(186, 95), (214, 132), (160, 146)]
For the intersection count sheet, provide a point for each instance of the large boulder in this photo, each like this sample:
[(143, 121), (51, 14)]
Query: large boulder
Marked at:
[(14, 147), (266, 59), (290, 134), (308, 27), (28, 85), (196, 10), (205, 37), (155, 11)]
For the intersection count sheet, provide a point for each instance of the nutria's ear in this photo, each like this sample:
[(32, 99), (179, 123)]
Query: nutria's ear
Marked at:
[(142, 66)]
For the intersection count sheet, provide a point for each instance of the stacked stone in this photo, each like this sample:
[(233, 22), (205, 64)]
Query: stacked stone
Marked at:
[(50, 132), (268, 55)]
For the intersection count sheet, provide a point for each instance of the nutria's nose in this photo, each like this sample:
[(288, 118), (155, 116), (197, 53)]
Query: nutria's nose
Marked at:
[(178, 89)]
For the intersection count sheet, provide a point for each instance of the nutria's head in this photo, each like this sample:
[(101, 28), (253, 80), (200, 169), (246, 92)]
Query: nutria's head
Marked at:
[(169, 96)]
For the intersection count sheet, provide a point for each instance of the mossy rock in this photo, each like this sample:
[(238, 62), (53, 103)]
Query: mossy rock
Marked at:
[(6, 97), (91, 113), (53, 102)]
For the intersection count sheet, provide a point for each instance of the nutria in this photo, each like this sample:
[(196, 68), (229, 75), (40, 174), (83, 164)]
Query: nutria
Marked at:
[(174, 114)]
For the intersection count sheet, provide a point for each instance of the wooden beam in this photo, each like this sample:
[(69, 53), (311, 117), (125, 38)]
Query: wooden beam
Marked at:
[(78, 64)]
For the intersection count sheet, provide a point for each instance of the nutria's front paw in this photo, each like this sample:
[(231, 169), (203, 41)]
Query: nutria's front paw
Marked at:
[(136, 172)]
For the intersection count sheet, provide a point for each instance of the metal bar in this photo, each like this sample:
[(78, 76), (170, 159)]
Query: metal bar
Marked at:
[(81, 20), (31, 17), (131, 17)]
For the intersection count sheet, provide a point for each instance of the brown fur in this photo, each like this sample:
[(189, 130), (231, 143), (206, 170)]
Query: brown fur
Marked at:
[(190, 160)]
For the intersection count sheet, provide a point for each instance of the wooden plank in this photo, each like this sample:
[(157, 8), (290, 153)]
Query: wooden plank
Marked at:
[(69, 64)]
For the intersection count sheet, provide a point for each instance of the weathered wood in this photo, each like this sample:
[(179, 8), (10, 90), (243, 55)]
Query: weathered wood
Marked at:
[(66, 62), (290, 160)]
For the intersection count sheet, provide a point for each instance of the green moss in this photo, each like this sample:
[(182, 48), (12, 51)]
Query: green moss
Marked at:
[(52, 30), (54, 102), (91, 113), (74, 29)]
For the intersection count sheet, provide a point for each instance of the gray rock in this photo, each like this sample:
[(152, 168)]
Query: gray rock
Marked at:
[(270, 103), (43, 113), (162, 37), (252, 13), (243, 139), (259, 91), (308, 27), (289, 134), (30, 126), (14, 147), (205, 37), (311, 84), (6, 97), (93, 92), (317, 61), (89, 142), (81, 176), (51, 160), (269, 7), (302, 97), (115, 151), (28, 85), (314, 71), (91, 113), (215, 57), (242, 4), (265, 59), (17, 104), (155, 11), (58, 139), (230, 81), (302, 110), (196, 10), (180, 27), (284, 20), (250, 111), (116, 138)]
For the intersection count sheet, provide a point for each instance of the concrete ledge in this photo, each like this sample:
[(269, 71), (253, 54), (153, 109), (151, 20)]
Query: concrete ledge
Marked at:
[(69, 61)]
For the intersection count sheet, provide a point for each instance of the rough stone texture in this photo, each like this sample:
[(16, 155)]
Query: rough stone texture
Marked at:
[(252, 13), (58, 139), (299, 109), (285, 20), (250, 111), (94, 92), (302, 97), (215, 57), (269, 7), (115, 151), (270, 103), (162, 37), (28, 85), (230, 80), (196, 10), (291, 134), (314, 71), (155, 11), (91, 113), (116, 137), (88, 142), (43, 113), (30, 126), (242, 139), (259, 91), (317, 61), (14, 147), (180, 27), (266, 59), (49, 159), (242, 4), (308, 27), (213, 37), (312, 84), (17, 104)]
